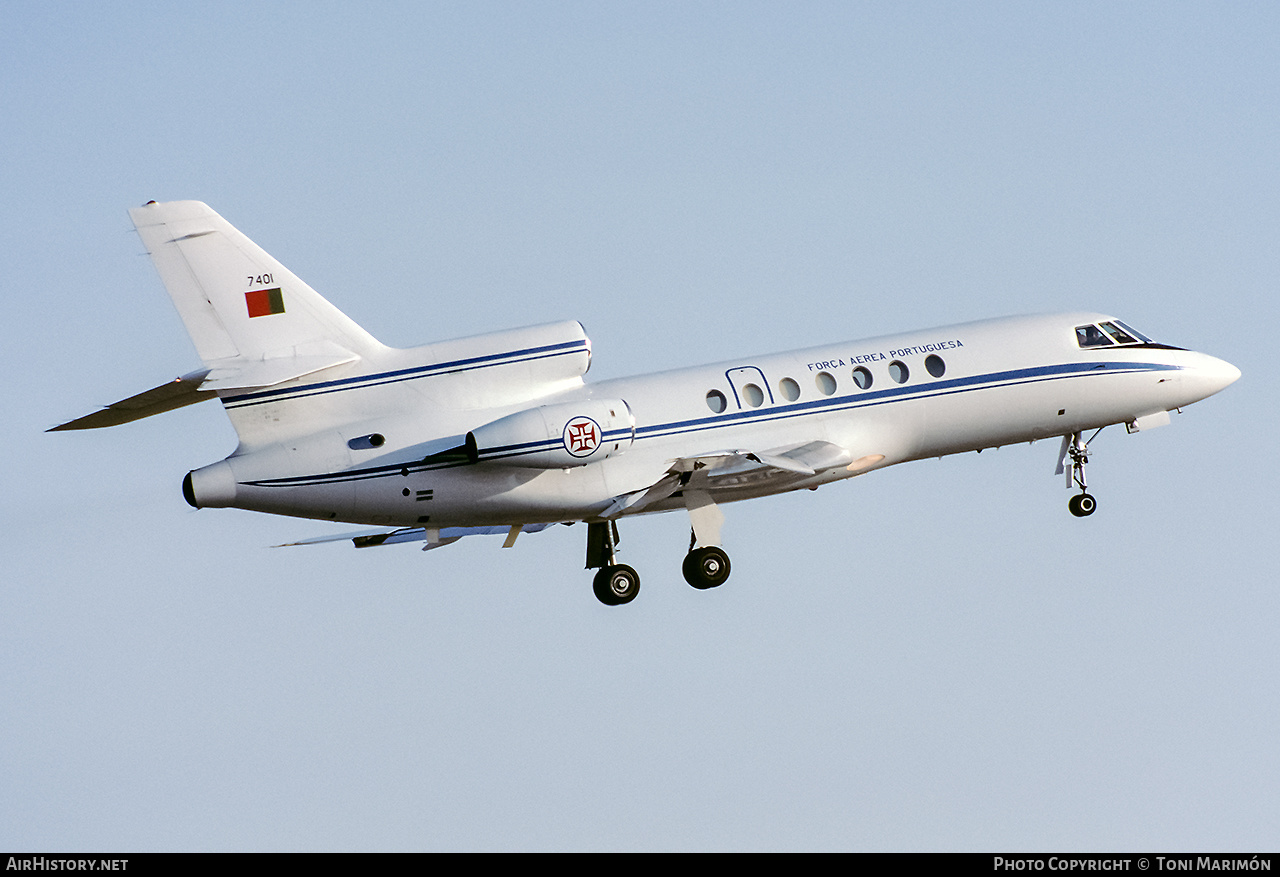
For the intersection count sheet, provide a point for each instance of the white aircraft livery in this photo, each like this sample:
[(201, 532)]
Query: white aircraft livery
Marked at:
[(499, 433)]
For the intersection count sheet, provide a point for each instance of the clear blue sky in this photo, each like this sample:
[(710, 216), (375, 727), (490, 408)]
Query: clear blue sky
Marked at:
[(934, 657)]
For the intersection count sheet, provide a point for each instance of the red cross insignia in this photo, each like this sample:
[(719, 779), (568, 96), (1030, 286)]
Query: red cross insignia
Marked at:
[(581, 436)]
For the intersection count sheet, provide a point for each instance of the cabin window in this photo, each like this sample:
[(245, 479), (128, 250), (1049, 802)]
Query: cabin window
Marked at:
[(753, 395), (790, 389), (826, 383), (862, 378), (717, 402), (934, 365), (899, 372)]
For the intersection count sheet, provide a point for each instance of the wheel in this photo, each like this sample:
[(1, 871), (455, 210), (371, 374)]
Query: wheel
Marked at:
[(615, 585), (706, 567), (1082, 505)]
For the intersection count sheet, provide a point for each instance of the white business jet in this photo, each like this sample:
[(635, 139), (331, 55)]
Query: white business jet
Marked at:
[(499, 433)]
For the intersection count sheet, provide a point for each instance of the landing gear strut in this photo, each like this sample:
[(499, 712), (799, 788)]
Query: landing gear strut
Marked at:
[(1075, 449), (615, 583), (707, 566)]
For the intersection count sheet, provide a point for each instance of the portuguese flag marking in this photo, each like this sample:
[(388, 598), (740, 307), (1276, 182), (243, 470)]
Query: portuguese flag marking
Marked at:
[(264, 302)]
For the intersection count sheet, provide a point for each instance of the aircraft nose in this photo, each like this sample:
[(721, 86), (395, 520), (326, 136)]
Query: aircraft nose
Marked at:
[(1218, 373), (1206, 375)]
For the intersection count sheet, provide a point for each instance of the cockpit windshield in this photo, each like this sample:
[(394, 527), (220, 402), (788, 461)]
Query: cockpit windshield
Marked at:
[(1108, 334)]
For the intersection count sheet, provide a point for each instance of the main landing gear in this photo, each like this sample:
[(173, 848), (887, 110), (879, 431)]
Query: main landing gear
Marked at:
[(1075, 449), (705, 566), (615, 583)]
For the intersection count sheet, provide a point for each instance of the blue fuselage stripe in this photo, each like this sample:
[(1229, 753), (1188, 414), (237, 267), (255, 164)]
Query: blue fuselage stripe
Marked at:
[(994, 380), (360, 382)]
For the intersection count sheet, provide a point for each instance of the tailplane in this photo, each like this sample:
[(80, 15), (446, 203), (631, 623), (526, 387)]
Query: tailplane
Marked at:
[(285, 362), (253, 322)]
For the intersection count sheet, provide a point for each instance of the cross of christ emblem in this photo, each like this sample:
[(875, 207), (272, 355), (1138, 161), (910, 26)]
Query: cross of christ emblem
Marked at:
[(581, 436)]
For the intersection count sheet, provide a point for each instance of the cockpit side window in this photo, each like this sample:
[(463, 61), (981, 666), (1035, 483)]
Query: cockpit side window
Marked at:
[(1092, 336), (1109, 333), (1135, 333), (1120, 336)]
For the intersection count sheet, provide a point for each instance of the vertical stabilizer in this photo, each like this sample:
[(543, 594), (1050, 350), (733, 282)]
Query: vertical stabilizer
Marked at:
[(240, 305)]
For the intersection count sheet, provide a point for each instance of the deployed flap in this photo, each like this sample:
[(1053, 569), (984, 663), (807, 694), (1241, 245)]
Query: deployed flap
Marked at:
[(186, 390), (805, 459), (639, 500), (728, 469)]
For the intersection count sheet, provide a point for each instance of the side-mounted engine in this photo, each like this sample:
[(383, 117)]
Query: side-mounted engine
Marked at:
[(555, 436)]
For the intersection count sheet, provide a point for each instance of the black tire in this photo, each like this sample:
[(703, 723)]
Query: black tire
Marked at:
[(706, 567), (615, 585), (1082, 505)]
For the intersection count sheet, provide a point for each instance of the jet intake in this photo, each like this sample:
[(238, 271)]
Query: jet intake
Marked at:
[(555, 436)]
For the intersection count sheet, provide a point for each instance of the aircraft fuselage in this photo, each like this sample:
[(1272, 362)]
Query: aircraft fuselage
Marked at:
[(928, 394)]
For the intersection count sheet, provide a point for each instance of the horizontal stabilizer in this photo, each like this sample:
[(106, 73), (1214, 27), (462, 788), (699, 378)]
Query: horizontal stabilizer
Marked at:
[(239, 374), (232, 374), (186, 390)]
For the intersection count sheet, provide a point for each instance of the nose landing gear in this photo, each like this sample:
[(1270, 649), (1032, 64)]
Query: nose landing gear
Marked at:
[(1082, 505), (1075, 449)]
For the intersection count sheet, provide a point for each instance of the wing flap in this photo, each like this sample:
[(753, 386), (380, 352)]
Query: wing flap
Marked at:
[(805, 459), (728, 469)]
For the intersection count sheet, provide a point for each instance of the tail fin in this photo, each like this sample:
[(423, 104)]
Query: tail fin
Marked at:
[(253, 322)]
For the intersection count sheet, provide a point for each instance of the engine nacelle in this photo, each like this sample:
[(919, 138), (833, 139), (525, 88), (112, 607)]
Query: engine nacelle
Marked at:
[(555, 436)]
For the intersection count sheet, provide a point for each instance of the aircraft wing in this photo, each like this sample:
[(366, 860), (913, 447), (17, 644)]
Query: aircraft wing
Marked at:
[(435, 538), (734, 468)]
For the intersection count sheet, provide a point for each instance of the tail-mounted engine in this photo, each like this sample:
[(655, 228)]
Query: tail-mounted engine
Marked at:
[(555, 436)]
